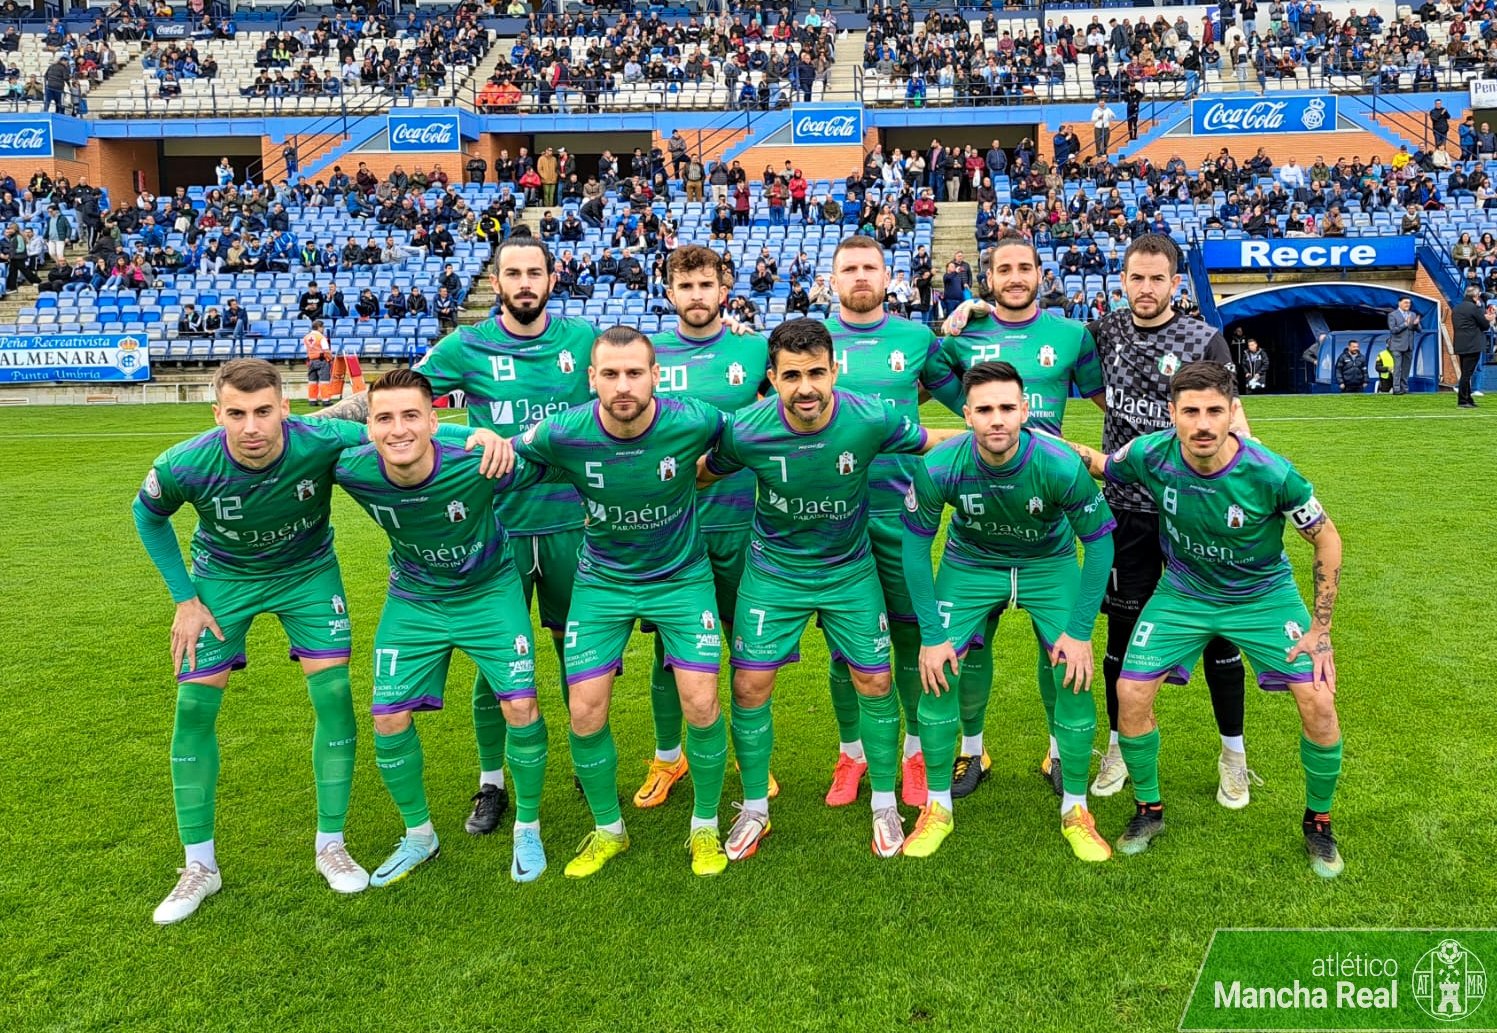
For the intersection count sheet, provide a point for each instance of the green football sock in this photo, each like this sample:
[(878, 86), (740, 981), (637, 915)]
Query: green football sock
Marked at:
[(561, 665), (904, 641), (400, 764), (880, 728), (1074, 726), (488, 726), (753, 742), (596, 759), (1322, 769), (195, 760), (333, 738), (1141, 754), (665, 702), (976, 682), (844, 702), (1045, 675), (938, 727), (525, 749), (707, 757)]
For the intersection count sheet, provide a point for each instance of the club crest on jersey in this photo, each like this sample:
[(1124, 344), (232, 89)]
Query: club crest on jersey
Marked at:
[(896, 361), (1292, 631), (565, 362), (846, 463), (709, 622), (456, 511), (1168, 363), (522, 645), (883, 622), (339, 606), (1235, 516), (1036, 505), (668, 468), (305, 490), (1047, 356), (736, 375), (153, 484)]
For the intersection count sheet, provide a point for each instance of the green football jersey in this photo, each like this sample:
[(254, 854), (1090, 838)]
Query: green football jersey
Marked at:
[(445, 534), (1034, 506), (509, 384), (725, 370), (1222, 533), (890, 360), (1050, 352), (640, 492), (252, 523), (813, 506)]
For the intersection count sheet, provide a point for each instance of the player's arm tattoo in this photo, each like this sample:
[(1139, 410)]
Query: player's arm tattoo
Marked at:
[(355, 409), (1094, 461), (1325, 575)]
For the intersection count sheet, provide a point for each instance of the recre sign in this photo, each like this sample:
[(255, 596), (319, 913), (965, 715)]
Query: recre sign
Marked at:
[(1309, 253)]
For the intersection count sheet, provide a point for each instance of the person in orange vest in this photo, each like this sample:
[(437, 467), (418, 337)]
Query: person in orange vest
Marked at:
[(319, 365), (345, 364)]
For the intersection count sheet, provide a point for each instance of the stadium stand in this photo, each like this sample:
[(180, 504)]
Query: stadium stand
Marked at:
[(716, 61)]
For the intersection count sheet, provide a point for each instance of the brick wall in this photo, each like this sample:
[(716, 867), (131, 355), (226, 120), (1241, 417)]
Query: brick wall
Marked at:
[(816, 162)]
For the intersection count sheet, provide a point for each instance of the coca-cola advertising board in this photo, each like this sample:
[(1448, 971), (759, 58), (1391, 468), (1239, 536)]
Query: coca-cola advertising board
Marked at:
[(424, 133), (1224, 116), (824, 125), (26, 137)]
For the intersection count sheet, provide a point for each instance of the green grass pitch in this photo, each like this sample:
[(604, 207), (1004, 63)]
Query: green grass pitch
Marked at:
[(1003, 929)]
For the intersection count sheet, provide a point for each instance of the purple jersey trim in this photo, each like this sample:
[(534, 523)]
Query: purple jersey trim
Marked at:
[(785, 420), (615, 668), (698, 342), (146, 501), (921, 531), (405, 705), (863, 328), (837, 654), (689, 665), (1231, 463), (319, 654), (1019, 323), (975, 642), (902, 618), (223, 441), (1176, 675), (526, 693), (1280, 681), (1093, 394), (234, 663), (1101, 532), (764, 665), (436, 468)]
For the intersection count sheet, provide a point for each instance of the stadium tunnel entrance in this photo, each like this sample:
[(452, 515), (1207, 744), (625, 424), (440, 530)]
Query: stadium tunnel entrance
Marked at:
[(188, 161), (1286, 320), (918, 138)]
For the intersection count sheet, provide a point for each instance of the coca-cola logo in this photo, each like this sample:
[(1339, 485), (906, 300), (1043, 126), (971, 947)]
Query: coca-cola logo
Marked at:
[(1312, 114), (823, 128), (423, 135), (25, 140)]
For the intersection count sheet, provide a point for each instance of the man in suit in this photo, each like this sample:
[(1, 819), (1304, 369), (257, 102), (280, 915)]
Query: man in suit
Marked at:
[(1470, 322), (1403, 327)]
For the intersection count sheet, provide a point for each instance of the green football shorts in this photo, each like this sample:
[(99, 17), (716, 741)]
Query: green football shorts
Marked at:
[(772, 614), (1045, 589), (886, 534), (548, 566), (726, 550), (310, 605), (1173, 629), (416, 637), (682, 610)]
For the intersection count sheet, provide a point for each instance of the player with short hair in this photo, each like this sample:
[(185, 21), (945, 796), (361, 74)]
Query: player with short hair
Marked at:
[(701, 359), (1052, 354), (1021, 502), (453, 586), (1223, 500), (633, 457), (890, 359), (261, 484), (812, 449), (1141, 347), (513, 371)]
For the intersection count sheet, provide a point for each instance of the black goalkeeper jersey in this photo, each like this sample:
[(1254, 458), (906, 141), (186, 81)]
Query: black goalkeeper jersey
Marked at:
[(1137, 364)]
